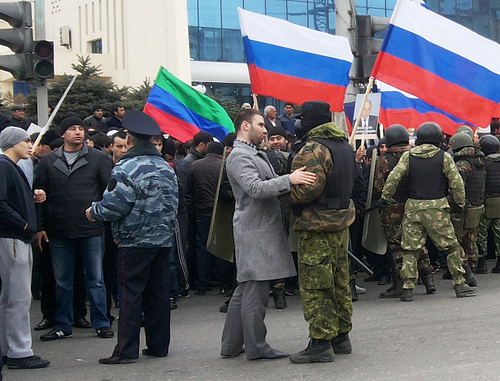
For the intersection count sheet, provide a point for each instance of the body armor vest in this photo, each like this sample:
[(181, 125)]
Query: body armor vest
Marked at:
[(402, 191), (426, 178), (492, 188)]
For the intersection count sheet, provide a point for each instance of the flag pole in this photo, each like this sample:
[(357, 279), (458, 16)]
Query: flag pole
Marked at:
[(355, 128), (53, 114), (255, 102)]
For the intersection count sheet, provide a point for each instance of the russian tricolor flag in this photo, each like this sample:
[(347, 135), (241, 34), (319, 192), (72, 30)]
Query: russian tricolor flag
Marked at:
[(398, 107), (442, 63), (293, 63)]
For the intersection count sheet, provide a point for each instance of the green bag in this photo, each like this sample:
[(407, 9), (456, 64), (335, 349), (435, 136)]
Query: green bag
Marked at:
[(472, 216), (492, 207)]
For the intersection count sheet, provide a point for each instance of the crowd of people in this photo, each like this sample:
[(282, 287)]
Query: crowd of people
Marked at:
[(112, 212)]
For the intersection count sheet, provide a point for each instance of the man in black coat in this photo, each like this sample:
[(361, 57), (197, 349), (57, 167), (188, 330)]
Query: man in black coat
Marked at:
[(74, 176)]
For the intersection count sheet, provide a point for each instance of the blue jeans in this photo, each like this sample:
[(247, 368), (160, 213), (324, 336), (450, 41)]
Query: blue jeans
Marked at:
[(63, 251)]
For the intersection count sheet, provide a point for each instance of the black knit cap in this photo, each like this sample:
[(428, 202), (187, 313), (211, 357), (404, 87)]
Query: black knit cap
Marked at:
[(69, 122), (277, 131), (314, 114)]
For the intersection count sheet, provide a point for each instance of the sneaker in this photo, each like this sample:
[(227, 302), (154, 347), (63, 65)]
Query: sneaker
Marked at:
[(31, 362), (105, 333), (56, 334)]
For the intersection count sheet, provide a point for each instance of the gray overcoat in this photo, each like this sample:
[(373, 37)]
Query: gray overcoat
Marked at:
[(261, 246)]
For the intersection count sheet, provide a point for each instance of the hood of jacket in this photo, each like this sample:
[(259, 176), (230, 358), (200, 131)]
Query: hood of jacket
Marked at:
[(328, 131), (493, 157), (468, 152), (425, 151)]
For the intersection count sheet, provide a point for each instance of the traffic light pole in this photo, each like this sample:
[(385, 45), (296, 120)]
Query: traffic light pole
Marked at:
[(42, 95)]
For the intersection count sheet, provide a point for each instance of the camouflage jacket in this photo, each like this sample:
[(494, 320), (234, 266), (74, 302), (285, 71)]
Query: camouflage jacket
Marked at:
[(464, 167), (141, 199), (317, 159), (382, 168), (455, 182)]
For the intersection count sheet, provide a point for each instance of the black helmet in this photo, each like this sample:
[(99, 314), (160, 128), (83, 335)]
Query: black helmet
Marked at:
[(430, 132), (396, 134), (461, 140), (489, 144)]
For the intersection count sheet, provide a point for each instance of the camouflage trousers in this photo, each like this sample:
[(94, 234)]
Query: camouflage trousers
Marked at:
[(392, 221), (324, 283), (435, 223), (482, 232), (467, 238)]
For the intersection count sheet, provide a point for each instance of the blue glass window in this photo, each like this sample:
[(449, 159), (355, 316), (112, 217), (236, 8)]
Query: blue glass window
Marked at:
[(233, 46), (210, 13), (297, 12), (210, 44), (194, 46), (276, 8), (230, 13), (258, 6), (319, 14), (192, 8)]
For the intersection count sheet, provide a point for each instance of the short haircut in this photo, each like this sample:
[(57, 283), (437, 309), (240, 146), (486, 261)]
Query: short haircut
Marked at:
[(202, 137), (215, 147), (169, 147), (101, 139), (267, 110), (245, 115), (119, 134), (289, 104), (229, 139), (115, 108), (494, 125)]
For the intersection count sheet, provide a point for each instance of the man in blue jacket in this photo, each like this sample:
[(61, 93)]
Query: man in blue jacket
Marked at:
[(17, 227), (141, 203)]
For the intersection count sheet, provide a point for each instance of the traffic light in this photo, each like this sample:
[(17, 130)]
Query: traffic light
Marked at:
[(43, 59), (368, 29), (19, 39)]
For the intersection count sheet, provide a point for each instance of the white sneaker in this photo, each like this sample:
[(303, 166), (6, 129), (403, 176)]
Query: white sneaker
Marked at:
[(360, 290)]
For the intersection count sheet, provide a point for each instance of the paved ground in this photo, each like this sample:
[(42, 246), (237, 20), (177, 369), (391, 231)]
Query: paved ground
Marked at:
[(434, 337)]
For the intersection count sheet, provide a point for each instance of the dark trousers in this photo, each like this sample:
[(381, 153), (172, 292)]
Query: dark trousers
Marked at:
[(109, 271), (143, 281), (48, 286)]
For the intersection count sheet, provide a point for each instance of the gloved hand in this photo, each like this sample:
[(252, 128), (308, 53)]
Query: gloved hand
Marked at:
[(383, 203)]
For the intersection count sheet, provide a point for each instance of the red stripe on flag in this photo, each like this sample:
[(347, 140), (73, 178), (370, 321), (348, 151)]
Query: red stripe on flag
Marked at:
[(434, 90), (171, 125), (295, 90), (411, 118)]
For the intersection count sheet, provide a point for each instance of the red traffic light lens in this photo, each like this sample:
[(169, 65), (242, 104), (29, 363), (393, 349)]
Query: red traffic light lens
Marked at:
[(44, 49)]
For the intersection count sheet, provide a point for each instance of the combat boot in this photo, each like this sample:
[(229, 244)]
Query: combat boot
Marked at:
[(341, 344), (470, 278), (279, 296), (463, 290), (396, 290), (316, 351), (407, 295), (428, 280), (481, 266), (496, 269)]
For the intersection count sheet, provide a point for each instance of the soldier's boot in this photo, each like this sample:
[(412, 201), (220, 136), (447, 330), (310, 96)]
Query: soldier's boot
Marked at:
[(396, 290), (352, 287), (279, 296), (496, 269), (447, 275), (407, 295), (316, 351), (470, 278), (428, 280), (463, 290), (341, 344), (481, 266)]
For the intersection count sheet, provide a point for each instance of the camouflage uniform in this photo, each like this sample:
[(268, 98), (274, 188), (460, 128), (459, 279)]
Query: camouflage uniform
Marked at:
[(485, 222), (323, 241), (428, 217), (466, 237), (392, 216)]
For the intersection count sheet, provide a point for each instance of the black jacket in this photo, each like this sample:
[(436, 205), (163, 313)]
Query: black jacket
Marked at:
[(203, 181), (70, 191), (17, 206)]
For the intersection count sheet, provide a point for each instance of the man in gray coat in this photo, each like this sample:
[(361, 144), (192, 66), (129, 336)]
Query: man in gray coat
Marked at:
[(261, 246)]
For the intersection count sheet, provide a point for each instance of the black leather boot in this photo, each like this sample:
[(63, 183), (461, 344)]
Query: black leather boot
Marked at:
[(279, 296), (481, 266), (470, 278), (428, 280)]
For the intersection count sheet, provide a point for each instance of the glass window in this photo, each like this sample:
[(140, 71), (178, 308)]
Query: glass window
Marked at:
[(447, 7), (482, 26), (376, 4), (331, 21), (194, 46), (391, 4), (210, 14), (361, 10), (297, 12), (319, 14), (192, 8), (233, 46), (433, 5), (376, 12), (258, 6), (97, 46), (230, 13), (276, 8), (210, 45)]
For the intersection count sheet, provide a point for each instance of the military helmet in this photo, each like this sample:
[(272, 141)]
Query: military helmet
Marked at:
[(396, 134), (489, 144), (429, 132), (461, 140), (467, 130)]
